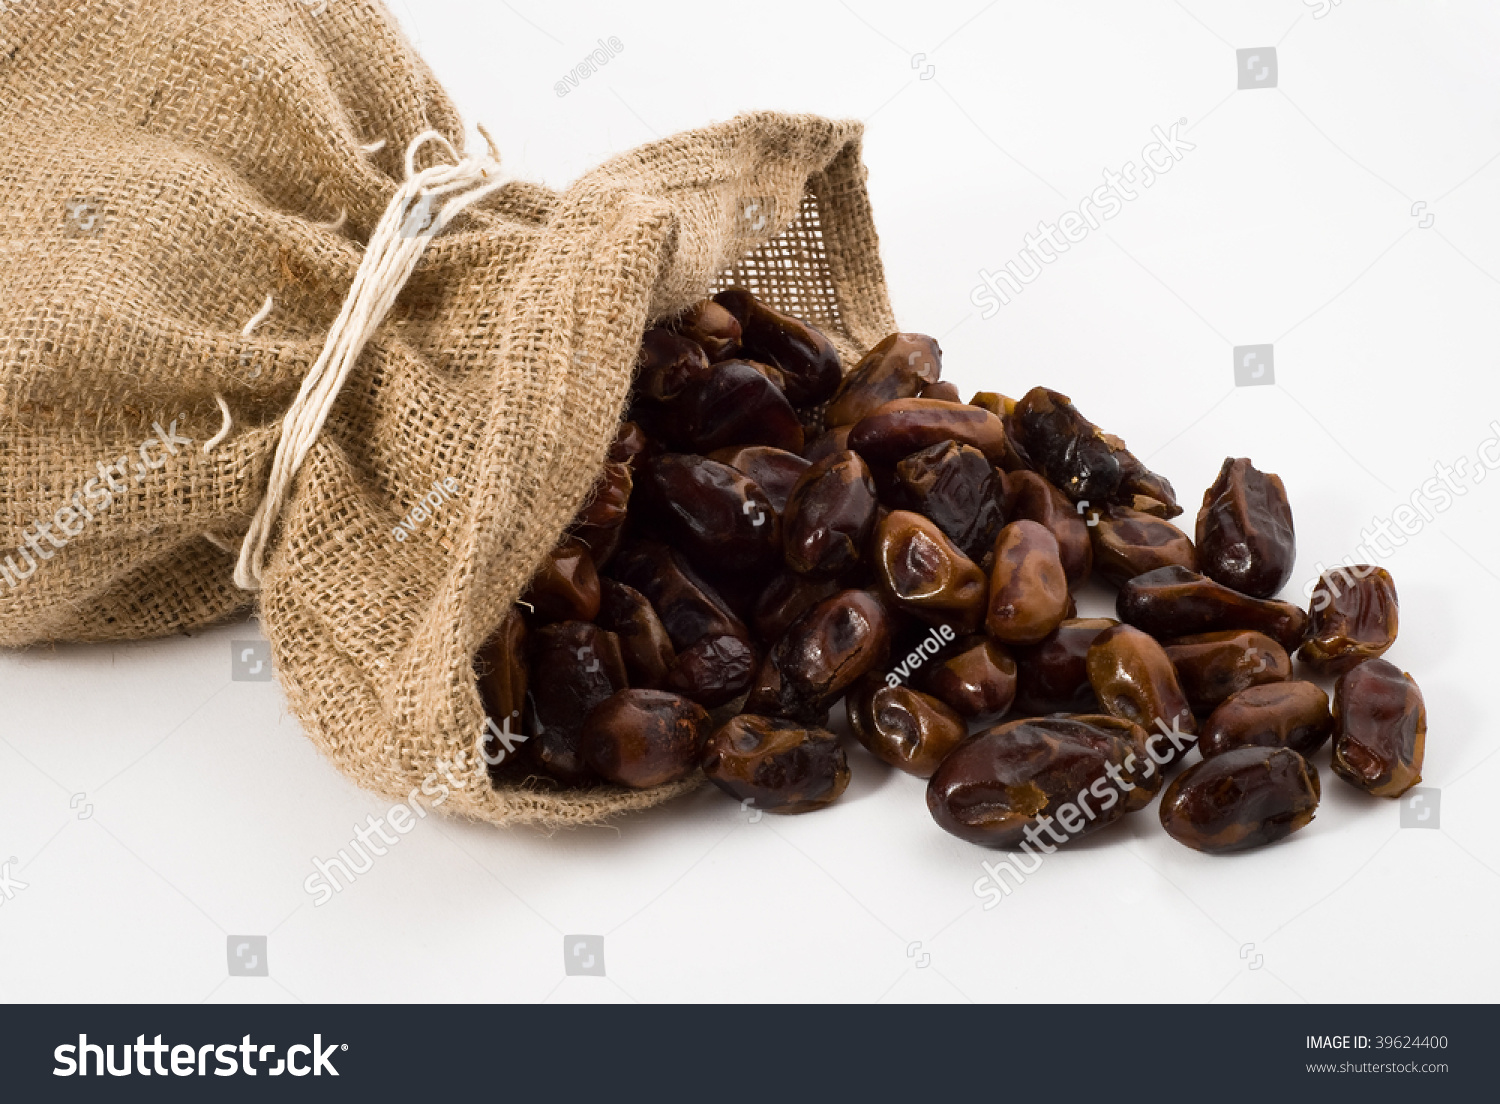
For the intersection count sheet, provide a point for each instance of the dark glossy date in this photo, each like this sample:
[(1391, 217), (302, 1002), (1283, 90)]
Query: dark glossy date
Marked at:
[(829, 516), (823, 653), (1244, 536), (1173, 601), (1128, 543), (1246, 797), (1135, 681), (898, 367), (1354, 616), (1052, 676), (1212, 666), (574, 667), (776, 765), (1380, 729), (807, 358), (905, 426), (923, 573), (956, 488), (1274, 714), (644, 738), (1029, 497), (906, 728), (976, 678), (1028, 594)]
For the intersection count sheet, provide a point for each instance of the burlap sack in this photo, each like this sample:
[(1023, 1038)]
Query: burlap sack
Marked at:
[(165, 166)]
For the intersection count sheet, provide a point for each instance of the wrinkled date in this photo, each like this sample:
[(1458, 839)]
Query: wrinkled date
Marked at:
[(1128, 543), (821, 656), (1246, 797), (976, 678), (1354, 617), (775, 765), (1028, 595), (956, 488), (643, 738), (1211, 666), (829, 516), (898, 367), (1173, 601), (718, 516), (566, 586), (574, 667), (1029, 497), (1275, 714), (1135, 681), (1062, 776), (1244, 535), (904, 426), (1380, 729), (925, 574), (803, 355), (1052, 676), (644, 643), (906, 728)]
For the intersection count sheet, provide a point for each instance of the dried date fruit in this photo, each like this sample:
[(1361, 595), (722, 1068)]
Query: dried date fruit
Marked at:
[(1246, 797), (644, 643), (906, 728), (776, 765), (1173, 601), (667, 364), (1380, 729), (735, 405), (829, 516), (1052, 676), (712, 327), (787, 597), (1244, 536), (1006, 786), (976, 678), (1029, 497), (1028, 594), (610, 498), (801, 352), (1135, 681), (644, 738), (943, 391), (631, 444), (1067, 448), (1274, 714), (821, 655), (827, 443), (1211, 666), (898, 367), (1128, 543), (503, 675), (714, 669), (566, 586), (923, 573), (904, 426), (574, 667), (1353, 617), (956, 488), (775, 471), (716, 515)]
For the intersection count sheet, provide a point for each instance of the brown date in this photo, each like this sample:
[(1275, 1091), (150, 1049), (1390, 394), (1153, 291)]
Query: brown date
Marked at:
[(1028, 595), (958, 490), (1029, 497), (1173, 601), (643, 738), (906, 728), (835, 439), (821, 656), (923, 573), (667, 364), (1353, 617), (976, 678), (1274, 714), (721, 520), (807, 358), (775, 471), (735, 405), (712, 327), (787, 597), (566, 586), (898, 367), (1379, 729), (1246, 797), (1067, 448), (776, 765), (904, 426), (1128, 543), (574, 667), (501, 666), (1135, 681), (1007, 785), (1052, 676), (644, 643), (1211, 666), (1245, 537), (631, 444), (609, 499), (829, 516), (942, 391)]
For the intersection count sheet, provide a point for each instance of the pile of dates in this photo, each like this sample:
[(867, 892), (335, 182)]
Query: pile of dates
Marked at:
[(771, 536)]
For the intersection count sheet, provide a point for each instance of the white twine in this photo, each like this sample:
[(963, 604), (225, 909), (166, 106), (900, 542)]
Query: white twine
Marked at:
[(399, 239), (224, 428)]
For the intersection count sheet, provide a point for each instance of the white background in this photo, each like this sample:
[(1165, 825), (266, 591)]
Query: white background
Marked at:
[(1291, 222)]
